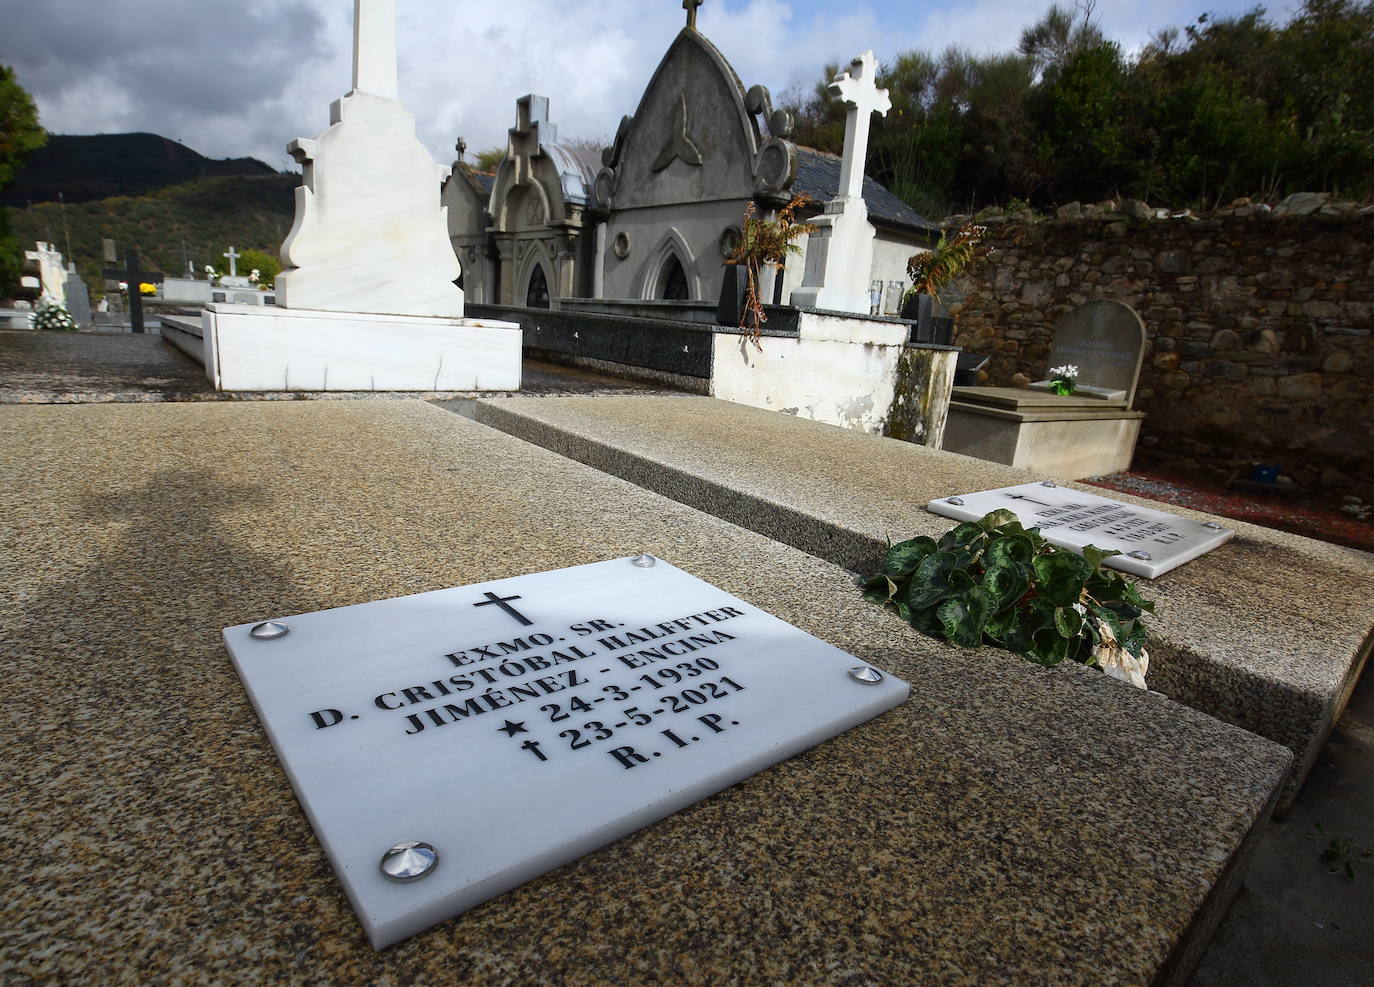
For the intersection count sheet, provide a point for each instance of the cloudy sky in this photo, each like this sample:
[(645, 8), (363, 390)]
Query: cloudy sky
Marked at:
[(244, 77)]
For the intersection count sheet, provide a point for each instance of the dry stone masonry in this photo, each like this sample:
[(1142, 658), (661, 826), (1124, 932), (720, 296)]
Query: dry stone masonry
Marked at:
[(1259, 323)]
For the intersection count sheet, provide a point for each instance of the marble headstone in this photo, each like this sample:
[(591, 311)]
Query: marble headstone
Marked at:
[(1105, 340), (370, 234)]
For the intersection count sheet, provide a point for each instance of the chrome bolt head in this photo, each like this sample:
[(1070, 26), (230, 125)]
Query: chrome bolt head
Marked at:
[(1211, 524), (409, 861), (1048, 483), (866, 674), (956, 501), (644, 561), (1139, 554), (269, 630)]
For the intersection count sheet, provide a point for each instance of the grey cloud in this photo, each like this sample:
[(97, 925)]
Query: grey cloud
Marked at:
[(177, 62)]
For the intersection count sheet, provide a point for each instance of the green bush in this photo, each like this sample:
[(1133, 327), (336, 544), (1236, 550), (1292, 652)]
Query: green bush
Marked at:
[(995, 581)]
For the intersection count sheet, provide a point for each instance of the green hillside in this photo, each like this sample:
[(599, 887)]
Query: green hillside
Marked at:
[(200, 218), (98, 166)]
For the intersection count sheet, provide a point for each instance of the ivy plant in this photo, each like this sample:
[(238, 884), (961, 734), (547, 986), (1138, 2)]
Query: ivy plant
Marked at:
[(995, 581)]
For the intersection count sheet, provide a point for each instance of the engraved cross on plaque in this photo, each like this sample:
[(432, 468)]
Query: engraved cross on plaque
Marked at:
[(691, 7), (1029, 500), (500, 601), (856, 87)]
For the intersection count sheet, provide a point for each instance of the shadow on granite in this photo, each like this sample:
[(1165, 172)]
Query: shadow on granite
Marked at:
[(1006, 823)]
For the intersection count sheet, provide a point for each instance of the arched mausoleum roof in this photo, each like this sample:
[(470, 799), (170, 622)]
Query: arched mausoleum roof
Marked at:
[(577, 168)]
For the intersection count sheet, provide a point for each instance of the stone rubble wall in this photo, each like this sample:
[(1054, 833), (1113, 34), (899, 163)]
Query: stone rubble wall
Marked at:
[(1259, 323)]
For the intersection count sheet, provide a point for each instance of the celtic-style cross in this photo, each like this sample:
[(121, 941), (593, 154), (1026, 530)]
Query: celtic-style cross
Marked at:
[(691, 7)]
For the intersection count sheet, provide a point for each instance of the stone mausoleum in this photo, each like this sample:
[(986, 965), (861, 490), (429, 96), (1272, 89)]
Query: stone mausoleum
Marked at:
[(658, 213)]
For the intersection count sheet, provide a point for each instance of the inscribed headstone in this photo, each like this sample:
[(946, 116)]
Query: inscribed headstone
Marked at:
[(1105, 340)]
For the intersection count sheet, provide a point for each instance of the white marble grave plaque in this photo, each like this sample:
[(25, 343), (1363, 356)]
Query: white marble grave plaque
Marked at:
[(1151, 542), (518, 724)]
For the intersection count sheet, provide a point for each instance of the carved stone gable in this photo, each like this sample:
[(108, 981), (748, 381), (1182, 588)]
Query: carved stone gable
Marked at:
[(694, 137)]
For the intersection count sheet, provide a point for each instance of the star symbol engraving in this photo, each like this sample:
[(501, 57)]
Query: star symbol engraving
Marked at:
[(511, 729)]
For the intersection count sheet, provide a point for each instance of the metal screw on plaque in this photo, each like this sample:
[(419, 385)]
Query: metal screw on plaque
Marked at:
[(644, 561), (1211, 524), (1138, 554), (268, 630), (409, 861), (866, 674), (956, 501), (1048, 483)]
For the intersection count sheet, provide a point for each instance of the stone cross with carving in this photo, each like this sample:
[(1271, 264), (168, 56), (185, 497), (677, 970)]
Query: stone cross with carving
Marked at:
[(233, 256), (374, 47), (691, 7), (856, 87)]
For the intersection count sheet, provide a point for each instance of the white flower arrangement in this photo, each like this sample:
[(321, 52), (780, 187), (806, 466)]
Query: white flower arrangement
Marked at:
[(1064, 380), (52, 316)]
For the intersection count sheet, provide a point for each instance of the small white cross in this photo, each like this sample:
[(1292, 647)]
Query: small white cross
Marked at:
[(856, 87), (233, 256)]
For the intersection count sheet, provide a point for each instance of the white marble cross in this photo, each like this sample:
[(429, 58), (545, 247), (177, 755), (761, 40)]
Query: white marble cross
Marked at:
[(233, 256), (374, 47), (856, 87)]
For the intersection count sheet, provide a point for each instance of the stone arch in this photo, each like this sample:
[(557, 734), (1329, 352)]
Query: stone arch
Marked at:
[(534, 254), (657, 267), (511, 211)]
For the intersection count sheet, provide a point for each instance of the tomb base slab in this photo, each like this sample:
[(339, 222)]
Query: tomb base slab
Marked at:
[(253, 348)]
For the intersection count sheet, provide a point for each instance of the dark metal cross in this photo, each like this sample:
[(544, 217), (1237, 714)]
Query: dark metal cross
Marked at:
[(691, 7), (134, 278), (1028, 500), (500, 601)]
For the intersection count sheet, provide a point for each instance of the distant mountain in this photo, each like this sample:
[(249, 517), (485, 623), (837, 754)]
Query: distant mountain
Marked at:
[(194, 222), (87, 169)]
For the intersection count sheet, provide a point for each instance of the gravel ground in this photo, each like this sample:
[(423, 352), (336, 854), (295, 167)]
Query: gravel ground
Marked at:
[(1286, 512)]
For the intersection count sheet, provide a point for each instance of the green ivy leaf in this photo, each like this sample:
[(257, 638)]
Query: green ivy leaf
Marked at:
[(1002, 624), (1095, 555), (879, 589), (996, 519), (964, 617), (1132, 595), (1060, 577), (1068, 621), (1049, 647), (1010, 548), (930, 581), (902, 559), (962, 536), (1134, 640), (1005, 583)]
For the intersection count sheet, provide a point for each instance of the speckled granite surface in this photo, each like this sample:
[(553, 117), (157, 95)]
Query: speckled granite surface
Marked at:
[(1007, 823), (1268, 632)]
